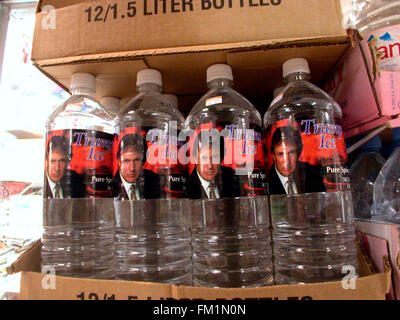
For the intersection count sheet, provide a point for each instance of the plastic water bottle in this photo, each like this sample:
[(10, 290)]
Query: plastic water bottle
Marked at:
[(153, 241), (231, 242), (111, 104), (311, 207), (230, 249), (379, 23), (78, 215), (364, 171), (386, 197), (388, 148), (149, 127), (226, 142), (152, 234), (304, 137), (277, 91), (171, 99)]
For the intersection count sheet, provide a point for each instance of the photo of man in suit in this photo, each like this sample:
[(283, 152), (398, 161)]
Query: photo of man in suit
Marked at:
[(61, 182), (131, 181), (209, 179), (288, 175), (203, 178)]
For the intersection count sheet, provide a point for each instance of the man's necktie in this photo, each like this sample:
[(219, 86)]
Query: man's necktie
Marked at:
[(133, 192), (212, 190), (57, 194), (290, 185)]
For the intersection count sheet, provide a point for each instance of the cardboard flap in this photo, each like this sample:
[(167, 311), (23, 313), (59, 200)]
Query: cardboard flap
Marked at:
[(81, 27), (42, 286), (35, 285), (27, 261)]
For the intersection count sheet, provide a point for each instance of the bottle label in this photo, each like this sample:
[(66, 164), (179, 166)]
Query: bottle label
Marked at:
[(306, 156), (78, 164), (226, 161), (146, 165), (385, 47)]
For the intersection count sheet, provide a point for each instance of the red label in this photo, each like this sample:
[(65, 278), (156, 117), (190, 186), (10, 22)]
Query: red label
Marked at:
[(306, 156), (226, 161), (78, 164), (146, 165)]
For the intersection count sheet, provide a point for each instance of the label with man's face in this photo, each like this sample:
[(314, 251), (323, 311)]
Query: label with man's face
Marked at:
[(306, 156), (226, 160), (78, 164), (146, 165)]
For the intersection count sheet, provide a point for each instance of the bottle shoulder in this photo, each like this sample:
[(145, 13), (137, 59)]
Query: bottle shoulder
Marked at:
[(367, 161), (223, 105), (301, 98), (80, 112), (149, 108), (377, 15)]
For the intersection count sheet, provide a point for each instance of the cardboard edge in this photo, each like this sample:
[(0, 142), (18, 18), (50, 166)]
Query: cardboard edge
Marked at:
[(352, 45), (388, 272), (19, 264), (381, 281), (51, 77), (364, 258), (229, 47), (39, 6)]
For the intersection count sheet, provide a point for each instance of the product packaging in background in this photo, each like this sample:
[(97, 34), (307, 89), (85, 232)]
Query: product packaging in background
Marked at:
[(371, 68), (381, 242)]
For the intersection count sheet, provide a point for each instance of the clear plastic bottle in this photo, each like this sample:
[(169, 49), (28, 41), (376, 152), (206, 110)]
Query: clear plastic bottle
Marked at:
[(364, 172), (277, 91), (386, 198), (171, 99), (378, 22), (226, 250), (311, 119), (111, 104), (152, 236), (151, 123), (237, 164), (388, 148), (308, 182), (78, 215)]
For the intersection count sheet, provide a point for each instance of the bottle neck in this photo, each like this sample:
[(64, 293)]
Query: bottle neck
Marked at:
[(149, 87), (82, 91), (220, 83), (297, 76)]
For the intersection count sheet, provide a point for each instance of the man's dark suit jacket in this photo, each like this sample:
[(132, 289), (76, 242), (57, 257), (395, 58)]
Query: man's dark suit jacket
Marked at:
[(227, 182), (72, 186), (148, 184), (308, 178)]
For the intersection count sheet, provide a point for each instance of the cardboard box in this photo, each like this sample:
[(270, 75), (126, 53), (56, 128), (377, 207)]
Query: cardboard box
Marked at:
[(368, 99), (104, 26), (254, 40), (382, 239), (35, 285)]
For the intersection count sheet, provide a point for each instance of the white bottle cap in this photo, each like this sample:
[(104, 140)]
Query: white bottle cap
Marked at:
[(278, 91), (171, 99), (111, 103), (295, 65), (83, 80), (149, 76), (219, 71)]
